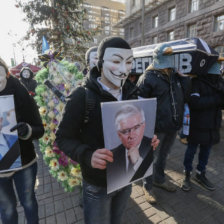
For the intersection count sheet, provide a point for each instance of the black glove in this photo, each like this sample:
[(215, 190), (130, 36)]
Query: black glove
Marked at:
[(22, 129)]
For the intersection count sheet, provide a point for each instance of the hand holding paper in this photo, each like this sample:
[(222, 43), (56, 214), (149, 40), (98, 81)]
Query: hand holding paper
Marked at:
[(100, 158)]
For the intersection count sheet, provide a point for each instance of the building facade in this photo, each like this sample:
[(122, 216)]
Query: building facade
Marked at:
[(166, 20), (103, 15)]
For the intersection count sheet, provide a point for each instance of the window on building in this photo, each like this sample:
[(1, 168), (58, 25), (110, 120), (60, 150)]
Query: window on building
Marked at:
[(219, 23), (192, 30), (155, 21), (121, 31), (107, 30), (194, 5), (171, 35), (155, 40), (121, 14), (172, 14), (131, 32)]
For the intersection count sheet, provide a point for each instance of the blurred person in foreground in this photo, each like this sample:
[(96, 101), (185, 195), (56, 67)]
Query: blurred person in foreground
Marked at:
[(29, 127)]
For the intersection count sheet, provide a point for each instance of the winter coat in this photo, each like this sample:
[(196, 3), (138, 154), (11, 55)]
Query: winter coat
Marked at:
[(26, 111), (29, 83), (205, 112), (171, 93), (78, 140)]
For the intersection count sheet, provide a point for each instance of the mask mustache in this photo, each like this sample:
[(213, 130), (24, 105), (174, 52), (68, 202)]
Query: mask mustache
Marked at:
[(121, 76)]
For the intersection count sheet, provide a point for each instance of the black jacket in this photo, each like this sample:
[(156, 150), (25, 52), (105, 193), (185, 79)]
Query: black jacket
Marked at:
[(205, 112), (29, 83), (26, 111), (171, 93), (78, 140), (118, 176)]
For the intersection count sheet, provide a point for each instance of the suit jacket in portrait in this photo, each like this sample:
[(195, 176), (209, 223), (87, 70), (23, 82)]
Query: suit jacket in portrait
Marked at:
[(12, 155), (117, 174)]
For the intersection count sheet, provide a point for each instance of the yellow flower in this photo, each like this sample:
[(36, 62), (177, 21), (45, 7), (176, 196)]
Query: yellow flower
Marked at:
[(52, 126), (51, 104), (44, 123), (62, 176), (67, 86), (43, 110), (52, 136), (60, 107), (73, 182), (45, 139), (51, 114), (49, 152), (75, 172), (54, 164)]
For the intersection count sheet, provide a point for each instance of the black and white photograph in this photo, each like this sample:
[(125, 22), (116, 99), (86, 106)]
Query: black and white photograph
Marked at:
[(128, 128)]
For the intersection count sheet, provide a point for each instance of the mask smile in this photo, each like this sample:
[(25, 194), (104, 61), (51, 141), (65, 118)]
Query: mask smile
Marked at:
[(121, 76)]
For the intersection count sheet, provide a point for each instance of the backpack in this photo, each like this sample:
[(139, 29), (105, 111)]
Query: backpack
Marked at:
[(90, 102)]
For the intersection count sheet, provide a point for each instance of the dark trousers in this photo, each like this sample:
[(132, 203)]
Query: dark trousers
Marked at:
[(24, 181), (160, 157), (202, 156)]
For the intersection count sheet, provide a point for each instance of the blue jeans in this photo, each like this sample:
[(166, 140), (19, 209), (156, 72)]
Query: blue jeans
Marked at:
[(103, 208), (160, 156), (24, 181), (202, 156)]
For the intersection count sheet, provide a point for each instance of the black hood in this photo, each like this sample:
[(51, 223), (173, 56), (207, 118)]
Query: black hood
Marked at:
[(26, 68)]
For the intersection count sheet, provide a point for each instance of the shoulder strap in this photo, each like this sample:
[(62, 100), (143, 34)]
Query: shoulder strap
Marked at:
[(90, 102)]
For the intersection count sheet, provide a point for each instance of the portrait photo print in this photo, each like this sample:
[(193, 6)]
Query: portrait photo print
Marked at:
[(128, 128), (10, 158)]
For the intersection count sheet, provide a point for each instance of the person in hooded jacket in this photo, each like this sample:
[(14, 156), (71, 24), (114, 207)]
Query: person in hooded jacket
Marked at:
[(29, 126), (26, 77), (171, 89), (84, 142), (206, 102)]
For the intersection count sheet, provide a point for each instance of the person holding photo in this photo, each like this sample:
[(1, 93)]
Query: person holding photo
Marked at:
[(84, 142), (29, 127)]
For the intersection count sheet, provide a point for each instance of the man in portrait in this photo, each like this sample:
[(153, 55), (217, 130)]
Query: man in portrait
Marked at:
[(7, 143), (133, 157)]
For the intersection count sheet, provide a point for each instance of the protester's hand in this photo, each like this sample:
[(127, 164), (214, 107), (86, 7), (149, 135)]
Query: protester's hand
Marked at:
[(155, 142), (22, 129), (133, 154), (100, 158)]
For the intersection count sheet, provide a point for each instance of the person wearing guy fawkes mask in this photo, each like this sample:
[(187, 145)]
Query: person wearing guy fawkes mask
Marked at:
[(90, 59), (26, 77), (84, 143), (29, 127)]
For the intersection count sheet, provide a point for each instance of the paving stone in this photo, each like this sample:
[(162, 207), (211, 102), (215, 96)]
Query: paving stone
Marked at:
[(60, 218), (70, 216)]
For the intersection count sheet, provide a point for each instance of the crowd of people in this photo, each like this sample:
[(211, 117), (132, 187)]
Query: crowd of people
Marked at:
[(107, 79)]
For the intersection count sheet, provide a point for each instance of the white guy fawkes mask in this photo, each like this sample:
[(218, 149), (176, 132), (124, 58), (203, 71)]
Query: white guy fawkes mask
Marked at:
[(3, 79), (93, 59), (117, 64), (26, 74)]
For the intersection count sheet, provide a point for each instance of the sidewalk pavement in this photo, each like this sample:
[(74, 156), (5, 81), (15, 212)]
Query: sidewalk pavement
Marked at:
[(199, 206)]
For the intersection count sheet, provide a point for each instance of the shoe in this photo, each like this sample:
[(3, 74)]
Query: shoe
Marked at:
[(184, 141), (202, 180), (168, 186), (186, 186), (149, 196)]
